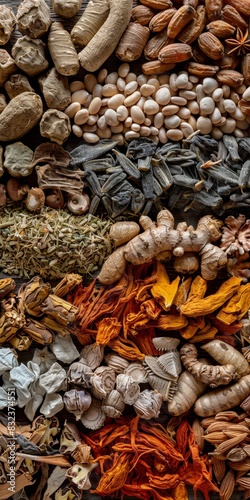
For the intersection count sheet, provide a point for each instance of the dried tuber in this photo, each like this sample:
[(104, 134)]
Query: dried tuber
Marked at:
[(7, 66), (90, 22), (162, 237), (66, 9), (104, 42), (16, 84), (55, 89), (33, 18), (21, 114), (7, 23), (188, 390), (30, 55), (62, 50), (132, 42)]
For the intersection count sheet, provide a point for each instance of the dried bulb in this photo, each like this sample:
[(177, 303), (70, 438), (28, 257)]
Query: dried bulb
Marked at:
[(80, 374), (77, 402)]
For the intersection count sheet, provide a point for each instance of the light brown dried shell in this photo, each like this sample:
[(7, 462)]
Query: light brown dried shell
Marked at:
[(170, 362), (148, 404), (245, 68), (198, 434), (165, 387), (142, 14), (202, 70), (230, 15), (191, 32), (160, 20), (166, 343), (180, 19), (155, 44), (116, 362), (219, 468), (157, 4), (244, 106), (230, 77), (152, 367), (92, 354), (137, 371), (156, 67), (94, 417), (113, 405), (221, 29), (227, 485)]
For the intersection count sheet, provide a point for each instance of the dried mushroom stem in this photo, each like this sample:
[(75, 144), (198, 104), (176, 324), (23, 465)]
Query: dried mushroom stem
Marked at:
[(107, 37), (62, 50)]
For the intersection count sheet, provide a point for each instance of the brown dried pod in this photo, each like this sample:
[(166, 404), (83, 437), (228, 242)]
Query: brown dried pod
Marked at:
[(227, 485), (245, 68), (37, 332), (211, 45), (242, 6), (175, 52), (156, 67), (201, 70), (155, 44), (230, 77), (132, 42), (32, 294), (16, 84), (157, 4), (55, 89), (221, 29), (7, 23), (59, 310), (21, 114), (213, 9), (161, 20), (35, 200), (180, 19), (229, 61), (230, 15), (66, 9), (62, 50), (7, 66), (30, 55), (142, 14), (199, 56), (33, 18), (191, 32)]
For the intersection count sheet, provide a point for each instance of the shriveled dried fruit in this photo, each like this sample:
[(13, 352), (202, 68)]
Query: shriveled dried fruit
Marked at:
[(132, 42), (175, 52), (230, 77), (211, 45)]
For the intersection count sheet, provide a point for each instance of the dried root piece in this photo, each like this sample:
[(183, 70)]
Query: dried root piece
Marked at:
[(33, 18), (16, 84), (20, 116), (30, 55), (90, 22), (7, 66), (132, 42), (55, 89), (212, 375), (7, 23), (62, 50), (55, 125), (66, 9)]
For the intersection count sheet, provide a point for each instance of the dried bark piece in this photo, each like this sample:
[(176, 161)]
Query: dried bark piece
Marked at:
[(30, 55), (51, 153), (62, 50), (7, 66), (20, 116), (133, 41), (7, 23), (33, 18), (55, 89), (17, 84)]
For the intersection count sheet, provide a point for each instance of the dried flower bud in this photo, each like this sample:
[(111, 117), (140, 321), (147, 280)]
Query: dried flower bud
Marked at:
[(33, 18), (77, 402), (29, 55)]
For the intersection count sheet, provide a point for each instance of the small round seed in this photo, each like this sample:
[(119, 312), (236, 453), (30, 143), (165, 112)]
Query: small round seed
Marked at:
[(90, 137), (174, 134), (95, 105)]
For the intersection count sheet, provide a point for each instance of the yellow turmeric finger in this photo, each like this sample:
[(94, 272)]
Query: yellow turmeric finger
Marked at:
[(163, 291), (236, 307)]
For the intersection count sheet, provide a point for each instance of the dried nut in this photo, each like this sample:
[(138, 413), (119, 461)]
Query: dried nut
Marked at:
[(175, 52), (230, 77), (191, 32), (180, 19), (33, 18), (157, 4), (7, 24), (160, 20), (30, 55), (201, 70), (156, 67), (132, 42), (142, 14), (221, 29), (211, 45), (244, 106)]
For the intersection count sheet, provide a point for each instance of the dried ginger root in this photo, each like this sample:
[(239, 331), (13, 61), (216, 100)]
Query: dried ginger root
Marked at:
[(161, 237), (210, 374)]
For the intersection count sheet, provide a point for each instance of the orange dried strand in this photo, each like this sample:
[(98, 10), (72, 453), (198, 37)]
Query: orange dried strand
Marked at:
[(113, 479), (108, 328), (144, 342), (127, 349), (179, 492)]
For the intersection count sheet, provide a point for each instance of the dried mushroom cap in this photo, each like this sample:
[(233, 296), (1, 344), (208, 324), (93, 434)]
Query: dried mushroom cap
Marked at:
[(7, 66), (35, 200), (17, 159), (55, 89), (52, 154), (55, 125), (33, 18), (3, 197), (30, 55), (55, 199), (78, 204), (94, 417), (7, 23), (16, 84)]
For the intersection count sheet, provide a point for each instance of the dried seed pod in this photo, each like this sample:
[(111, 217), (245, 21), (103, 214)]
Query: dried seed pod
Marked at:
[(161, 20), (179, 20), (230, 15), (156, 67), (230, 77), (132, 42), (30, 55), (175, 52), (66, 9), (211, 45), (55, 125), (201, 70), (191, 32), (20, 116), (62, 50), (157, 4), (33, 18), (16, 84), (213, 9), (7, 23), (242, 7), (55, 89), (7, 66), (142, 14), (155, 44), (227, 485), (221, 29), (245, 68)]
